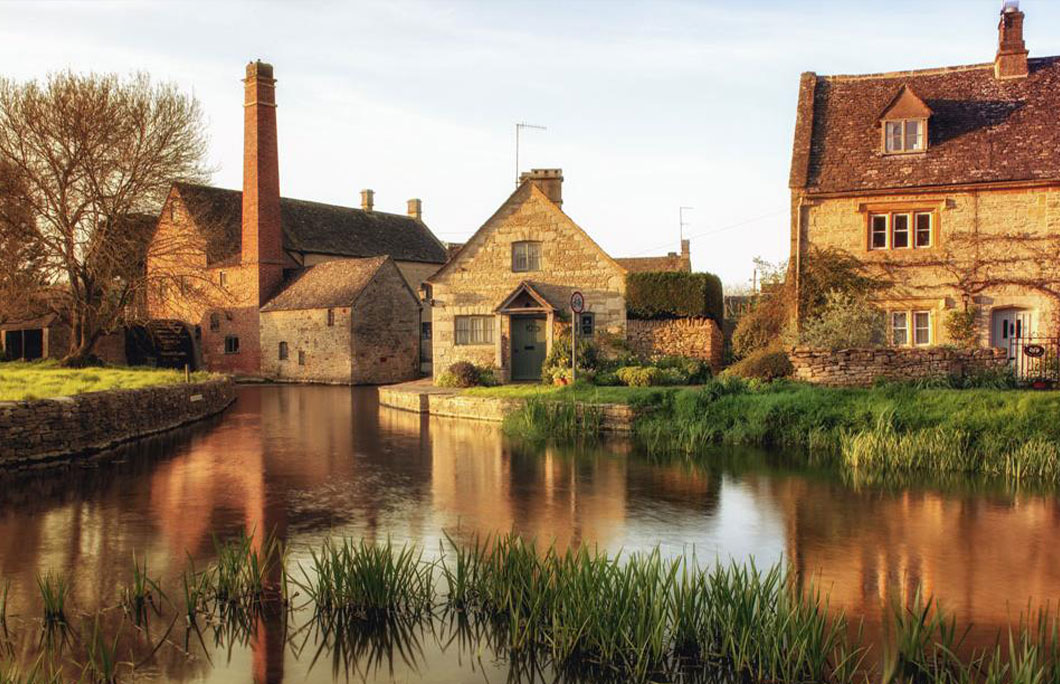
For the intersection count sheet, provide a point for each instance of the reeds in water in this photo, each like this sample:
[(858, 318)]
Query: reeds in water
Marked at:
[(539, 420), (54, 592), (645, 616), (249, 571), (140, 594), (368, 581)]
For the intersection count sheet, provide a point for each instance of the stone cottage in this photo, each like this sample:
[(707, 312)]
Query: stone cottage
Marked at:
[(944, 181), (353, 321), (253, 245), (502, 299)]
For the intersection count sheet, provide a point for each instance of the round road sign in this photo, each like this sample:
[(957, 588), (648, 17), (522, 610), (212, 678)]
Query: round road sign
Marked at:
[(577, 302)]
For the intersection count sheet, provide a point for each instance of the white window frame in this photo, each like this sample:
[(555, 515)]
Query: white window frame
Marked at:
[(904, 328), (919, 144), (908, 216), (930, 231), (473, 330), (886, 232), (916, 329)]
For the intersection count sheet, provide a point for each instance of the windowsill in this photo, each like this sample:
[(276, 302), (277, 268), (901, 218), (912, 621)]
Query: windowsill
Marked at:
[(903, 153)]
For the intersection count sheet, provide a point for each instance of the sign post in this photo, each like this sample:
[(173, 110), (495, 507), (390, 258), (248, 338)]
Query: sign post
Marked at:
[(577, 306)]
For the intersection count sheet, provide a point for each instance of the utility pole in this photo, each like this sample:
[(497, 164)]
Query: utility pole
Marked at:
[(518, 128), (681, 220)]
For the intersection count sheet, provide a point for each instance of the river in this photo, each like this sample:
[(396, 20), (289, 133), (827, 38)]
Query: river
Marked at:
[(309, 462)]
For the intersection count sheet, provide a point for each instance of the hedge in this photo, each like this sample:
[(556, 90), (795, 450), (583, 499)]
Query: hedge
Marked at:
[(674, 295)]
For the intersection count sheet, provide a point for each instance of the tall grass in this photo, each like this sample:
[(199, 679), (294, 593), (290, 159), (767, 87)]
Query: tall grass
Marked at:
[(644, 616), (539, 420), (368, 581), (893, 428), (54, 592), (580, 613), (24, 381)]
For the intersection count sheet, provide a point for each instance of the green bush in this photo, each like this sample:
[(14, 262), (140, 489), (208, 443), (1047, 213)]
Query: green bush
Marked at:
[(557, 363), (845, 321), (466, 374), (674, 295), (639, 376), (765, 364), (960, 327), (693, 371), (650, 376)]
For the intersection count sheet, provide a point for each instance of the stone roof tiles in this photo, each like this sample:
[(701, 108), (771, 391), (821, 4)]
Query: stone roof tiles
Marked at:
[(982, 129), (330, 284), (314, 228)]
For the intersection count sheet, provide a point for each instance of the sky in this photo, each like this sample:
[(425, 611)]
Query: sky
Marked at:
[(649, 106)]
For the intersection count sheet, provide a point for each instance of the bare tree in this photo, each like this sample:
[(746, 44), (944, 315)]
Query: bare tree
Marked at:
[(92, 159)]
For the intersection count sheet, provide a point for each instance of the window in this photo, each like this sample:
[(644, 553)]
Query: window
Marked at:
[(222, 279), (301, 357), (923, 230), (231, 345), (899, 328), (878, 237), (331, 317), (900, 232), (587, 324), (283, 351), (526, 256), (215, 322), (922, 328), (425, 331), (904, 136), (474, 330)]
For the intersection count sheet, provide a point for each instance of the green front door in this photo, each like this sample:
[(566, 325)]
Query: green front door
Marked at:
[(528, 347)]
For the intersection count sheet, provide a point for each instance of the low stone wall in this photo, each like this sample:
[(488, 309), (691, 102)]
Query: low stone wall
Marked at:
[(698, 338), (48, 429), (862, 367), (412, 397)]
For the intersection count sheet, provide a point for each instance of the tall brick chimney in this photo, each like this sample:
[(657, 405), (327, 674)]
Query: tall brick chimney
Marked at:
[(1011, 60), (549, 181), (262, 231)]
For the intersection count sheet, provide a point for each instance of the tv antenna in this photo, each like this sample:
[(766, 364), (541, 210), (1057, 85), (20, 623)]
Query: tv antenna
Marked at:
[(518, 128), (681, 220)]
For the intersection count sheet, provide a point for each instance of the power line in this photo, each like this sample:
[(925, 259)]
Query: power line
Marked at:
[(717, 230)]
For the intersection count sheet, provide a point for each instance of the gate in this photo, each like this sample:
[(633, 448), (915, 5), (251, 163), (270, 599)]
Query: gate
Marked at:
[(1035, 359)]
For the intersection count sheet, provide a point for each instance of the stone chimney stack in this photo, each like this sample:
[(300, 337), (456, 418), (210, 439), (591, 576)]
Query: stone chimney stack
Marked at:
[(549, 181), (1011, 60), (416, 209), (262, 232), (367, 199)]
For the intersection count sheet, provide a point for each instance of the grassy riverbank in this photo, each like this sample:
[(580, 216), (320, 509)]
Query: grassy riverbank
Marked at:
[(21, 381), (892, 427), (586, 615)]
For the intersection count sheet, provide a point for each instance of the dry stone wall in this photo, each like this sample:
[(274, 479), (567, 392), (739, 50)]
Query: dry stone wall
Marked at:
[(862, 367), (698, 338), (47, 429)]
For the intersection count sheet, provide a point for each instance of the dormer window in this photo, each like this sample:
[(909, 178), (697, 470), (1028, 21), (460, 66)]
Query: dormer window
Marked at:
[(905, 136), (904, 123)]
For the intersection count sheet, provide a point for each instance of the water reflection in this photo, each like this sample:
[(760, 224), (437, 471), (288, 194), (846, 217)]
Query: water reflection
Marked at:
[(309, 462)]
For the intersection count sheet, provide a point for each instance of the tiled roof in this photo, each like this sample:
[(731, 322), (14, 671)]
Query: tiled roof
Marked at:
[(315, 227), (672, 262), (330, 284), (982, 129)]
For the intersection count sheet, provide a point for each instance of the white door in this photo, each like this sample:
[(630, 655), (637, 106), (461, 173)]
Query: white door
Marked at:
[(1011, 329)]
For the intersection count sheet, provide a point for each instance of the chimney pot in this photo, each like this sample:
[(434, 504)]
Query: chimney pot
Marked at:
[(416, 209), (367, 199), (549, 181)]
